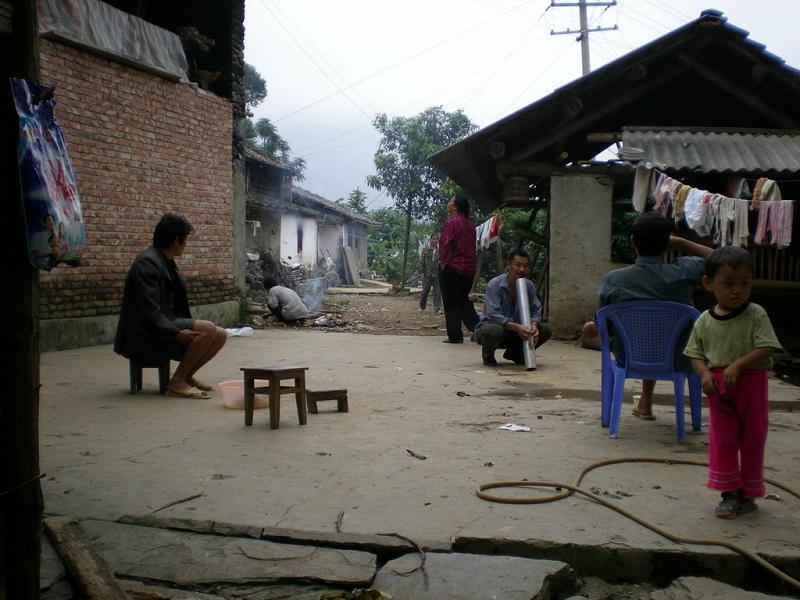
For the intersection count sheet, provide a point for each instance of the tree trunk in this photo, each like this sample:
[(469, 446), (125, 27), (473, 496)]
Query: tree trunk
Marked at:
[(405, 247), (20, 492)]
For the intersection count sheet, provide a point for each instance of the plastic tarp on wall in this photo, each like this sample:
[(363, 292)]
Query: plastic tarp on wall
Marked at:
[(98, 26)]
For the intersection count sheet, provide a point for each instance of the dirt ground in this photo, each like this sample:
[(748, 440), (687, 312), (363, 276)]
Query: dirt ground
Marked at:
[(377, 314)]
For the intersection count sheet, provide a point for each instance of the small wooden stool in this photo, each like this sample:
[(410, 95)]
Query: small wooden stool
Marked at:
[(136, 375), (274, 376), (313, 397)]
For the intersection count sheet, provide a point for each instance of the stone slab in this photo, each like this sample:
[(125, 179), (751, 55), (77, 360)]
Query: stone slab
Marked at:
[(700, 588), (184, 559), (379, 544), (472, 577)]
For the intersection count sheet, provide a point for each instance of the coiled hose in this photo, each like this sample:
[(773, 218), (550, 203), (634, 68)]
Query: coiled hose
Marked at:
[(574, 488)]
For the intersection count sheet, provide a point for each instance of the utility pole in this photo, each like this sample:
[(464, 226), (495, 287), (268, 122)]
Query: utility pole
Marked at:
[(584, 31)]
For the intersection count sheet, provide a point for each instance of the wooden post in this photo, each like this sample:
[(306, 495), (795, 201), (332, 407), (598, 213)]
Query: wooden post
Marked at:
[(20, 492), (408, 237)]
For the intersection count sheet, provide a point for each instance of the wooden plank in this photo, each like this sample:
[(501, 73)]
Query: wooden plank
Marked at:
[(351, 265), (87, 569)]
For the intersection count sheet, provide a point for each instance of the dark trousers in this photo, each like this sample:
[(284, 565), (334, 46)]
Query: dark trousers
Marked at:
[(492, 336), (457, 306), (431, 283)]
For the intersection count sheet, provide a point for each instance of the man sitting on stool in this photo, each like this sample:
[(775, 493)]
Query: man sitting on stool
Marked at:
[(499, 325), (155, 324)]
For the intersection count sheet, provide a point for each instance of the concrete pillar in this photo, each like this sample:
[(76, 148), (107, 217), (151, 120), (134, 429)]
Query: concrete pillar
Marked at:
[(238, 217), (580, 247)]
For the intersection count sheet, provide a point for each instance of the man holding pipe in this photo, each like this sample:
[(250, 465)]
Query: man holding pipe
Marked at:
[(500, 323)]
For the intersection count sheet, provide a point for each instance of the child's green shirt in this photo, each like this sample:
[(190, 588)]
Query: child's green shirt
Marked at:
[(721, 340)]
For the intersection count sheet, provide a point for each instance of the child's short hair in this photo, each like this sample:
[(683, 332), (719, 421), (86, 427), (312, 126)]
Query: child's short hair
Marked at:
[(730, 256), (269, 283), (651, 234)]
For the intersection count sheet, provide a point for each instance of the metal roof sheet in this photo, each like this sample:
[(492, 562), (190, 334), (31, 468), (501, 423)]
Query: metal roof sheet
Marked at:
[(719, 151)]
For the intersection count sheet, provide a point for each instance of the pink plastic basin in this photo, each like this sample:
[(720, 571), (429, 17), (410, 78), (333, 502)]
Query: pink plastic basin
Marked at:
[(233, 394)]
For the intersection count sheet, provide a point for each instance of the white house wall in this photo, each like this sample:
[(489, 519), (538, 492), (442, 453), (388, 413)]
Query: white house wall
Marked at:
[(329, 239), (264, 232), (288, 233)]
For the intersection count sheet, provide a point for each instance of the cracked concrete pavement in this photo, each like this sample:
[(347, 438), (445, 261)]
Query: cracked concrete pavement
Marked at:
[(108, 453)]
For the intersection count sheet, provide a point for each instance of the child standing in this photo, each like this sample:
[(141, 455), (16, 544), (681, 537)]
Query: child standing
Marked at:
[(730, 349)]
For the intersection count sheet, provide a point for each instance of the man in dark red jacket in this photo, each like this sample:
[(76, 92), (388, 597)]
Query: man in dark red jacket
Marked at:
[(457, 269)]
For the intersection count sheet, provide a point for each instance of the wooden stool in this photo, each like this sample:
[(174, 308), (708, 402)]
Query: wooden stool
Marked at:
[(274, 376), (136, 375), (313, 397)]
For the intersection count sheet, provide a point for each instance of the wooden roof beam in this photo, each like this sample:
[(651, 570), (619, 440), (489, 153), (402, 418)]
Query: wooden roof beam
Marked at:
[(744, 94), (568, 127)]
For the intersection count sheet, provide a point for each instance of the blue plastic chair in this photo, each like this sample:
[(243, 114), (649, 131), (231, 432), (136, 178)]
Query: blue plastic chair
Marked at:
[(649, 331)]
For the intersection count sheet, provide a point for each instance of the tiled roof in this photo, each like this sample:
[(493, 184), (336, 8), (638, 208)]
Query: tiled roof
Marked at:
[(334, 206)]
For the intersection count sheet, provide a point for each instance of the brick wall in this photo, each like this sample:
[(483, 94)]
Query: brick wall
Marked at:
[(140, 146)]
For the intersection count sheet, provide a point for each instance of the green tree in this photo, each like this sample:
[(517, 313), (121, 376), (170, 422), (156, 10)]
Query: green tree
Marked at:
[(402, 167), (262, 136), (255, 88), (385, 248), (356, 200)]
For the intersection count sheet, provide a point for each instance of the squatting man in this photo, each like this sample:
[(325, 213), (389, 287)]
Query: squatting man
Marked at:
[(500, 324)]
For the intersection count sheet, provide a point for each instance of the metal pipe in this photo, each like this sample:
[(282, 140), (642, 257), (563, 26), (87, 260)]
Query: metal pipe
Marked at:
[(528, 348)]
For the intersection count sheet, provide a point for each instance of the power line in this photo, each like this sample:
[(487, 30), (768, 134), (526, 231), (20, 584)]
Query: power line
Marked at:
[(397, 64), (539, 76), (322, 56), (313, 61), (505, 58)]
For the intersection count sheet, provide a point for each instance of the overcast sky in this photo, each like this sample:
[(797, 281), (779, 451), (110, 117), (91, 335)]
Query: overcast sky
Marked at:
[(330, 65)]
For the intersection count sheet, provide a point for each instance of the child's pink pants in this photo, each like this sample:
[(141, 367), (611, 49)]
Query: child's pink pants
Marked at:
[(738, 434)]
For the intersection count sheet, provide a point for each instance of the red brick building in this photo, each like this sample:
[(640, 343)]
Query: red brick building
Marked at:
[(143, 143)]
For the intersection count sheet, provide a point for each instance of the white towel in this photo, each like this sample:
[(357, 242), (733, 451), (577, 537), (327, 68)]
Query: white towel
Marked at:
[(741, 231)]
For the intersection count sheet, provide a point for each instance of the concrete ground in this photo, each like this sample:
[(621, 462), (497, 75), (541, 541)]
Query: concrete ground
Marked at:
[(108, 454)]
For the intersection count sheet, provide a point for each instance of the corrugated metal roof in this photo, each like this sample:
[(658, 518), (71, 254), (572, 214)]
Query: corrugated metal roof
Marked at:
[(707, 73), (726, 151)]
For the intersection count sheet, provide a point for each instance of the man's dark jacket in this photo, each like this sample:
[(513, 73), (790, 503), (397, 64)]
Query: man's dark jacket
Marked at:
[(154, 294)]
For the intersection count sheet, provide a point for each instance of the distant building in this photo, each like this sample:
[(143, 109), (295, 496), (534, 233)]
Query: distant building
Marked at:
[(302, 227)]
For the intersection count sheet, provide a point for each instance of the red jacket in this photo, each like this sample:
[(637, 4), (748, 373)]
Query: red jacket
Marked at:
[(457, 245)]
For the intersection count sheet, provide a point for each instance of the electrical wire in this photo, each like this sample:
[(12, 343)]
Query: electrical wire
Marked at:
[(564, 50), (505, 58), (322, 56), (314, 62), (398, 63)]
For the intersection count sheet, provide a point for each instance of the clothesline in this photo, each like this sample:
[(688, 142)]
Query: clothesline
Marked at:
[(712, 214)]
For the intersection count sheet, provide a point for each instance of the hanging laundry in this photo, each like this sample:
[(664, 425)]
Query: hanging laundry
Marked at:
[(680, 199), (487, 232), (663, 194), (642, 187), (727, 215), (781, 225), (766, 190), (696, 211), (741, 226)]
